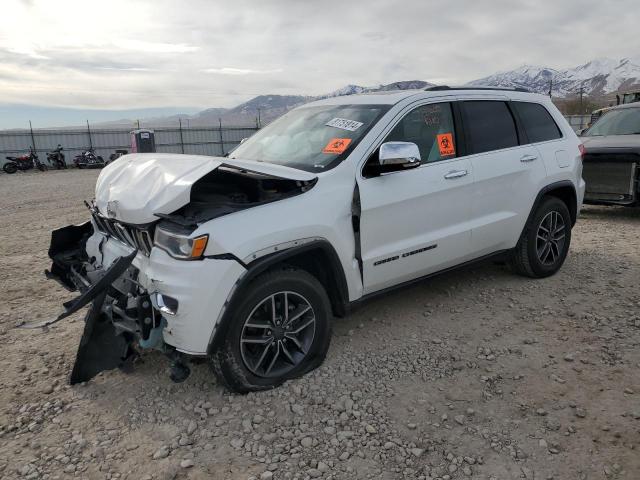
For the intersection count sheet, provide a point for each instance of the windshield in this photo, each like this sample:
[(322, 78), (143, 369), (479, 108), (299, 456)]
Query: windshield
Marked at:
[(625, 121), (311, 138)]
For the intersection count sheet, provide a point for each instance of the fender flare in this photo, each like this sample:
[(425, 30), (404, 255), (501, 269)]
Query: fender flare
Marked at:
[(339, 299), (573, 209)]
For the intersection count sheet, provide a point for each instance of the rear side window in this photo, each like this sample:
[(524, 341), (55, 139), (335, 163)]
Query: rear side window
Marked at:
[(537, 122), (488, 125)]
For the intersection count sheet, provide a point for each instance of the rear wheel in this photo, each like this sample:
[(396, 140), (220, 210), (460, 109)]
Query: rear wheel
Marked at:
[(544, 244), (280, 330), (10, 167)]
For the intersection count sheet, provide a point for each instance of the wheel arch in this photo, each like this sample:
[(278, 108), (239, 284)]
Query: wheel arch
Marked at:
[(317, 257), (564, 190)]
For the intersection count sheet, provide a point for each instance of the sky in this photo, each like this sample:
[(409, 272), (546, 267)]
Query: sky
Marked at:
[(170, 55)]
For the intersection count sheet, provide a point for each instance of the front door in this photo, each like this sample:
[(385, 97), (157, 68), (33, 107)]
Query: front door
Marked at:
[(417, 221)]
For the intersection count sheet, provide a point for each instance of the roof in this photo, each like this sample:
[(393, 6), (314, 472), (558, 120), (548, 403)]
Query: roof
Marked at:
[(375, 98), (394, 96)]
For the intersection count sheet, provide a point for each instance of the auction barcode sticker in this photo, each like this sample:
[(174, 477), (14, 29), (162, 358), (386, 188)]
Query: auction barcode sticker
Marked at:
[(344, 124)]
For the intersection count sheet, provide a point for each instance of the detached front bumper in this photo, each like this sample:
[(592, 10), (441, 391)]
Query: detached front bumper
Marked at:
[(187, 298)]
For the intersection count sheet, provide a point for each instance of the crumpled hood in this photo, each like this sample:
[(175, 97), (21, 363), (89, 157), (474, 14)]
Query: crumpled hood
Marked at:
[(135, 187)]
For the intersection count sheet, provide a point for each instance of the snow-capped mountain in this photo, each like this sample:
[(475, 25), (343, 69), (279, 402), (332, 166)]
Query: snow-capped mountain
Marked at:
[(598, 77), (355, 89), (346, 90)]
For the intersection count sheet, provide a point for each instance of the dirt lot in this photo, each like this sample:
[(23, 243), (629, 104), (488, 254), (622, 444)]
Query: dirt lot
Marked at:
[(474, 374)]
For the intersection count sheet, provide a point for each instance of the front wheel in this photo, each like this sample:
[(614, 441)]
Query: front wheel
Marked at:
[(544, 244), (280, 330)]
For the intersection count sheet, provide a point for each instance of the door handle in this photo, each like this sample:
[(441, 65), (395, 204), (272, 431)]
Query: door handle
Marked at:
[(528, 158), (455, 174)]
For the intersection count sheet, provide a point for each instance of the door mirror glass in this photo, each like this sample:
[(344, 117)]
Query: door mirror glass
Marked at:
[(399, 154)]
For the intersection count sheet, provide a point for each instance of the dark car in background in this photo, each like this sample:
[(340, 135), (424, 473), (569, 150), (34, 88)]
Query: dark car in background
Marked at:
[(612, 157)]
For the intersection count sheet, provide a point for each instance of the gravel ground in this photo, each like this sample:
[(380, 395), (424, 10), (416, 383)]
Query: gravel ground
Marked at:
[(474, 374)]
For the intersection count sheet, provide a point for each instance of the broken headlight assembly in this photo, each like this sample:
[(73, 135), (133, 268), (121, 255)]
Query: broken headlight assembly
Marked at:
[(179, 245)]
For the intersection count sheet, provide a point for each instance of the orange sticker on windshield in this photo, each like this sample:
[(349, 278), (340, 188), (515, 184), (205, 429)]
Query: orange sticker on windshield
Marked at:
[(337, 145), (445, 144)]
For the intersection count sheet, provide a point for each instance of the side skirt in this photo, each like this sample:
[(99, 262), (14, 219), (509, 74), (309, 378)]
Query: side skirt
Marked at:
[(496, 255)]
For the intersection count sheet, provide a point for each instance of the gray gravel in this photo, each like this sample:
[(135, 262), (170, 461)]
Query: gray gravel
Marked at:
[(475, 374)]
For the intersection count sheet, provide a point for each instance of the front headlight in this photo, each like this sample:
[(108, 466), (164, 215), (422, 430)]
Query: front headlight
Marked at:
[(180, 246)]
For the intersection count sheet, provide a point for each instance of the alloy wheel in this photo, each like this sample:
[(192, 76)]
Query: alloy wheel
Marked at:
[(550, 238), (277, 334)]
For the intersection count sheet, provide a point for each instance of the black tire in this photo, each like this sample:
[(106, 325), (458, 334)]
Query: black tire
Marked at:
[(10, 167), (227, 360), (536, 255)]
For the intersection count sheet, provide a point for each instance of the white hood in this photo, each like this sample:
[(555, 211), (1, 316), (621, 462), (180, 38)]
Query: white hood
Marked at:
[(135, 187)]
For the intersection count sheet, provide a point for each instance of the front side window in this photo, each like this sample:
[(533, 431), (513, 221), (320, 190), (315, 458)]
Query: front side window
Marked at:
[(537, 122), (625, 121), (488, 125), (431, 128), (311, 138)]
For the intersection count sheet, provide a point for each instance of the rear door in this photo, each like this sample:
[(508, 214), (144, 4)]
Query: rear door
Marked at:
[(508, 174), (416, 222)]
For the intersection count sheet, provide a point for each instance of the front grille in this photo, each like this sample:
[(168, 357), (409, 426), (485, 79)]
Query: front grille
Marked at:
[(135, 237)]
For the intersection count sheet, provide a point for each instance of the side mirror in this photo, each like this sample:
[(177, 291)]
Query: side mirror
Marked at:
[(399, 155)]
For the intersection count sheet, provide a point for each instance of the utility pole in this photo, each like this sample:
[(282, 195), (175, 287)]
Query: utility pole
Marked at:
[(581, 95), (258, 120), (550, 86)]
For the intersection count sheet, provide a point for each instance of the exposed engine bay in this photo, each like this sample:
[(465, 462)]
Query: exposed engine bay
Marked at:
[(227, 190)]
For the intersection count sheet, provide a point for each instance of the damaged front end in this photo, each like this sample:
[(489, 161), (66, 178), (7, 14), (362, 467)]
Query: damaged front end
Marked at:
[(121, 312), (129, 263)]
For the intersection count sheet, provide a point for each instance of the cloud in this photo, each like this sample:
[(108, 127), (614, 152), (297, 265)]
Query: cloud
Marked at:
[(240, 71), (154, 47), (153, 53)]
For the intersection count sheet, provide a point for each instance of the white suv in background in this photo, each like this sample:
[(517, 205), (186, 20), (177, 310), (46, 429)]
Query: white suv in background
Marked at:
[(246, 259)]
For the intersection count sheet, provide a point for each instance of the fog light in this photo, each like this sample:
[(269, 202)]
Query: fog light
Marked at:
[(167, 305)]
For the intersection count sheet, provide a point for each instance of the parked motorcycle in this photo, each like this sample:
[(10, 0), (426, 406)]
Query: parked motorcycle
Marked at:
[(24, 162), (114, 156), (88, 159), (56, 158)]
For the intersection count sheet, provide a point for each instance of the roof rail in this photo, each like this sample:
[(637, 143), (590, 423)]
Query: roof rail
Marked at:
[(437, 88)]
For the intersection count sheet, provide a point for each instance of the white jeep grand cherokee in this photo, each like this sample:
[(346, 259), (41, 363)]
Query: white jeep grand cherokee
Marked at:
[(246, 259)]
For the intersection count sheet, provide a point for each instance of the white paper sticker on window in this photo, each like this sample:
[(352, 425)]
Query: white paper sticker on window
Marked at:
[(344, 124)]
